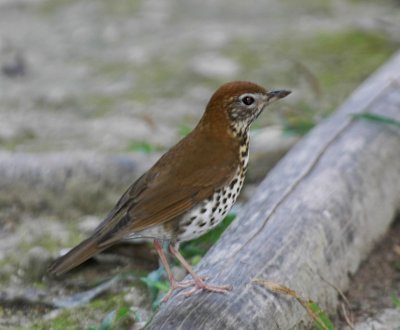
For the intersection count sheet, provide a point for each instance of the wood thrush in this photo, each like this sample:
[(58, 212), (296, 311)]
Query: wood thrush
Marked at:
[(190, 188)]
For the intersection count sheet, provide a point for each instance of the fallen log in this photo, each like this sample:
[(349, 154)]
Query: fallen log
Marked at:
[(310, 223), (61, 182)]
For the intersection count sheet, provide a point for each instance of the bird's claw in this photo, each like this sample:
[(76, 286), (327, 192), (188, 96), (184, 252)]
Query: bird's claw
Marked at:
[(198, 284), (206, 287), (190, 282)]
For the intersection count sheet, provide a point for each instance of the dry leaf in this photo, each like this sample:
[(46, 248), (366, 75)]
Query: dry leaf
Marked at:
[(278, 288)]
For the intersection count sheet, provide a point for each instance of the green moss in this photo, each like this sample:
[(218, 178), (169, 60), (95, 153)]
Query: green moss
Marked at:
[(156, 79), (87, 316), (184, 130), (122, 7), (97, 105), (346, 57), (243, 51), (5, 276), (50, 243), (340, 61), (104, 305), (111, 70), (160, 77), (63, 321), (322, 69), (144, 147), (314, 7), (24, 135), (49, 6), (326, 68), (200, 246)]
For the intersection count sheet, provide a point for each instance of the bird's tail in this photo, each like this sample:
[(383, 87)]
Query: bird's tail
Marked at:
[(79, 254)]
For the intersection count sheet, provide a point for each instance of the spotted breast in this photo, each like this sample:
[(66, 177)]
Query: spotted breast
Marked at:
[(209, 213)]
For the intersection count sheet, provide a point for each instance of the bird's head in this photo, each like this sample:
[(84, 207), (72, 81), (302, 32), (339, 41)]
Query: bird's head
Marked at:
[(240, 102)]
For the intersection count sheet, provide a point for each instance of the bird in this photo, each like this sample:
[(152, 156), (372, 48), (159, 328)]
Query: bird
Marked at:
[(189, 190)]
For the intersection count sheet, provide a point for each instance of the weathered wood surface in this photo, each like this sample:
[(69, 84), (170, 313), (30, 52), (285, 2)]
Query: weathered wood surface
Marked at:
[(311, 221)]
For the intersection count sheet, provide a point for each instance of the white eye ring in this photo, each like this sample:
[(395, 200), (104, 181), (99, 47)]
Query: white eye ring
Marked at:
[(247, 100)]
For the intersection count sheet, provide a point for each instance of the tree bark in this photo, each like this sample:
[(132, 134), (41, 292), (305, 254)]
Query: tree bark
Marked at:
[(310, 223)]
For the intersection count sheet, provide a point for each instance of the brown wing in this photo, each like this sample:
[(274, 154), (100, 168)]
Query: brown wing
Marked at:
[(183, 177)]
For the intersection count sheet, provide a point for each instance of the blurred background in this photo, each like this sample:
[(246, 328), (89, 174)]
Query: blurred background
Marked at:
[(132, 77), (105, 76)]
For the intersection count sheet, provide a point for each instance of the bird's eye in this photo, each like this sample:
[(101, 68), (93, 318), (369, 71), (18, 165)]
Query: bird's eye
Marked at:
[(248, 100)]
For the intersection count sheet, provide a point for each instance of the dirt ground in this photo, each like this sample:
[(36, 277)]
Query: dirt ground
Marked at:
[(375, 283)]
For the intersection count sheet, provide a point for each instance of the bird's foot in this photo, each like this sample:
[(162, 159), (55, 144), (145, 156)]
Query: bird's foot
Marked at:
[(179, 285), (198, 281), (191, 282), (200, 285)]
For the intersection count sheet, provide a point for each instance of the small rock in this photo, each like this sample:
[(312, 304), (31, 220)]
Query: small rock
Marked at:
[(211, 65), (15, 67), (35, 262), (6, 270)]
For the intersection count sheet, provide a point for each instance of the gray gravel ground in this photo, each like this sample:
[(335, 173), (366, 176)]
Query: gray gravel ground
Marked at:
[(97, 75)]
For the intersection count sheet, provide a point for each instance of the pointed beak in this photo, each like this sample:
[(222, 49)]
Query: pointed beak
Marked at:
[(276, 95)]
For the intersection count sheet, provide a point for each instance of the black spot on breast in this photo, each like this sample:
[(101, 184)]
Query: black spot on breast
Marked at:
[(203, 210), (224, 200), (244, 153), (214, 209), (212, 220), (229, 195), (202, 224), (193, 218)]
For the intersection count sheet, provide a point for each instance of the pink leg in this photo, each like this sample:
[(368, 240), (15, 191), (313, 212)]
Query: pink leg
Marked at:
[(174, 284), (198, 280)]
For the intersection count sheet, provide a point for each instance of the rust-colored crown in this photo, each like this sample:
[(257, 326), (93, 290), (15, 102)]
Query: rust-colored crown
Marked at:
[(238, 103)]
